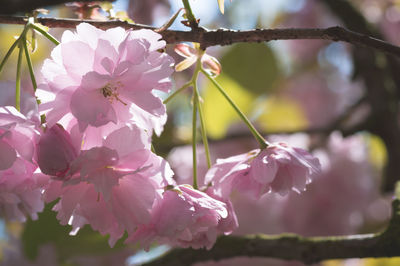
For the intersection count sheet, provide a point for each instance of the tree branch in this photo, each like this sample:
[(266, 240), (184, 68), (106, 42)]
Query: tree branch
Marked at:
[(13, 6), (226, 37), (293, 247)]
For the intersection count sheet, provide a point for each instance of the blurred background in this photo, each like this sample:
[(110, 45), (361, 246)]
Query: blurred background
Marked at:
[(313, 94)]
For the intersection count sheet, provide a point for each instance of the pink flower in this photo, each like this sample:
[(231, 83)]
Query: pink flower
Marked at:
[(185, 217), (112, 187), (106, 76), (20, 192), (278, 168)]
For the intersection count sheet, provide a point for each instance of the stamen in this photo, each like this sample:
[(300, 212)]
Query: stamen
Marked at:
[(111, 92)]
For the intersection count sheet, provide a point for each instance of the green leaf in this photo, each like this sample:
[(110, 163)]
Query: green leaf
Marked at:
[(218, 113), (47, 229), (253, 66)]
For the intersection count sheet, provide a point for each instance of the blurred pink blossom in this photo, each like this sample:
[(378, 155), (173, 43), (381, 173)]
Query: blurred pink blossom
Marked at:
[(86, 10), (337, 202), (145, 12), (185, 217), (106, 76), (20, 192)]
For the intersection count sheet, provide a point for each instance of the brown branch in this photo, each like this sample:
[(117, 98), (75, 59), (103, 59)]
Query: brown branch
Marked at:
[(226, 37), (13, 6), (293, 247)]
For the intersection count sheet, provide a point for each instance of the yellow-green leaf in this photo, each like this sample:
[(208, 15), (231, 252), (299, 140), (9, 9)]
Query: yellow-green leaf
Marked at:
[(377, 151), (281, 114)]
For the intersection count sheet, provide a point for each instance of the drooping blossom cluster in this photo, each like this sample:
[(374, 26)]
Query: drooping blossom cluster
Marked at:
[(342, 199), (278, 168), (112, 187), (187, 217), (94, 149), (101, 111)]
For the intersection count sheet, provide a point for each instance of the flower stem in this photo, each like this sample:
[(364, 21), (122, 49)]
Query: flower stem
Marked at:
[(9, 52), (194, 140), (18, 79), (189, 14), (177, 92), (263, 143), (199, 108), (45, 34), (203, 131), (29, 61)]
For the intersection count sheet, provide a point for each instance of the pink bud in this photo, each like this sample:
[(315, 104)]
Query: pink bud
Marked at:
[(55, 151)]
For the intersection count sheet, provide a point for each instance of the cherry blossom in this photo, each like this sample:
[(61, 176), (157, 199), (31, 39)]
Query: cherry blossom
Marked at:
[(20, 187), (185, 217), (278, 168), (111, 187), (106, 76)]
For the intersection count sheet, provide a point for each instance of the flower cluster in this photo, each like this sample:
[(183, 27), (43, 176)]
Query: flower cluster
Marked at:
[(278, 168), (101, 111), (94, 149)]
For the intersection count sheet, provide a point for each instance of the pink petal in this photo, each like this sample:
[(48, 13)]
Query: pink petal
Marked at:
[(92, 108), (132, 201), (185, 50), (104, 50), (77, 57), (264, 168), (93, 81), (212, 64), (7, 155), (127, 139), (148, 102), (88, 34)]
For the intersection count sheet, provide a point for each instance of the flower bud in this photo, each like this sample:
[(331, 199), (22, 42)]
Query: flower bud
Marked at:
[(55, 151)]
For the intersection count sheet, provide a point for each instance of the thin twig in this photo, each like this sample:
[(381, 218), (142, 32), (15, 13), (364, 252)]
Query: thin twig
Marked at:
[(226, 37)]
